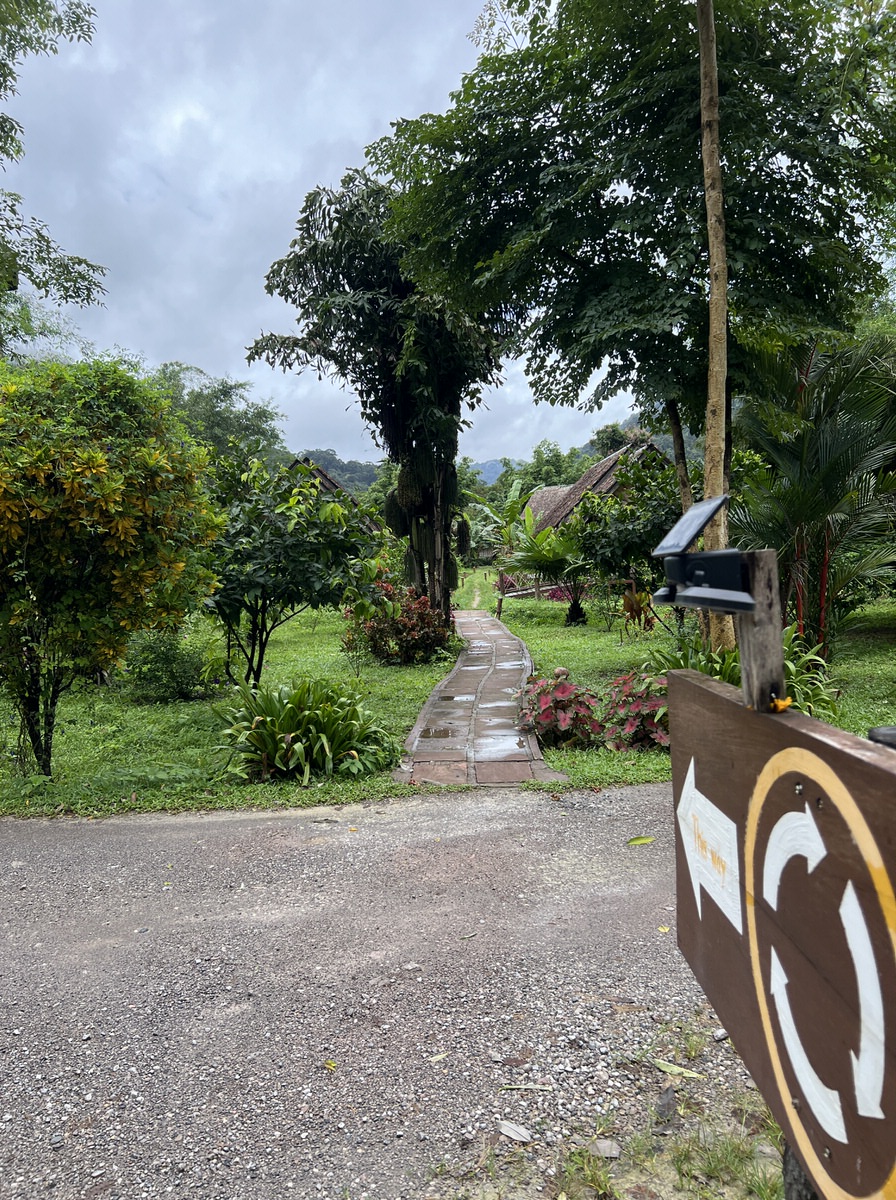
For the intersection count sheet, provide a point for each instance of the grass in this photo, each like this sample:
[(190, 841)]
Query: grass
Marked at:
[(705, 1158), (115, 756), (864, 666)]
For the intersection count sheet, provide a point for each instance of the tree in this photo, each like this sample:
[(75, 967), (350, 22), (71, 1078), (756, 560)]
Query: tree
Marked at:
[(103, 524), (503, 527), (607, 439), (826, 427), (220, 411), (27, 251), (286, 546), (554, 555), (30, 329), (618, 533), (413, 360), (564, 189)]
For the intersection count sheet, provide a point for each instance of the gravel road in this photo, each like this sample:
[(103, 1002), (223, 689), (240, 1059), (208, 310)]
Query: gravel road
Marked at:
[(342, 1004)]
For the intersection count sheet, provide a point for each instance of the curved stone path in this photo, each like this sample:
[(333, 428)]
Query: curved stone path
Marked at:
[(467, 731)]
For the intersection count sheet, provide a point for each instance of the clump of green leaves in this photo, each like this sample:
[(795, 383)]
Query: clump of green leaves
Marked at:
[(303, 729), (806, 677), (164, 665)]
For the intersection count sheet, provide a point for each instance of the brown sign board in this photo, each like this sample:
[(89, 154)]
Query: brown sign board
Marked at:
[(786, 865)]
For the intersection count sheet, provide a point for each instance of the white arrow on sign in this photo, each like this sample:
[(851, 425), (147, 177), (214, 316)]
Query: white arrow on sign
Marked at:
[(868, 1064), (796, 835), (710, 847), (823, 1100)]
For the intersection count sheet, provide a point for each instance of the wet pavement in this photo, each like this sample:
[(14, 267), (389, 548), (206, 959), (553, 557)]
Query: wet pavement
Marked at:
[(467, 731)]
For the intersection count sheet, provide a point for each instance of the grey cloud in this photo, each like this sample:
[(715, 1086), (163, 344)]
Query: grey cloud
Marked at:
[(177, 149)]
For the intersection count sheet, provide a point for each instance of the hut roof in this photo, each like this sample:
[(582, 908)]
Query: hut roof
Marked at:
[(553, 505)]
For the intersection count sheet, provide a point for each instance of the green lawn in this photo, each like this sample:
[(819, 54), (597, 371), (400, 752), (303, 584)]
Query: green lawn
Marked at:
[(115, 756), (112, 755), (864, 669)]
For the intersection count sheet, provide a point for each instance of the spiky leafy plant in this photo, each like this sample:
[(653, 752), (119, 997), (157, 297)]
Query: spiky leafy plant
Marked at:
[(306, 728), (806, 677)]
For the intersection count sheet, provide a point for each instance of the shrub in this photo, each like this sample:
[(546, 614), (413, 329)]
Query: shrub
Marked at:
[(164, 665), (560, 713), (636, 716), (563, 715), (306, 728), (694, 656), (411, 632), (806, 676)]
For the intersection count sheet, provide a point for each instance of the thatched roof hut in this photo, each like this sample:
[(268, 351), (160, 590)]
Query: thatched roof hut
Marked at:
[(553, 505)]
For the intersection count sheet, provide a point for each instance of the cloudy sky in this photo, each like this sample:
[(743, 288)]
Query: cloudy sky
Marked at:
[(176, 150)]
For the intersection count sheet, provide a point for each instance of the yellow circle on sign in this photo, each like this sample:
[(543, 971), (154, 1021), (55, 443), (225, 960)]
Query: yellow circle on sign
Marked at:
[(810, 765)]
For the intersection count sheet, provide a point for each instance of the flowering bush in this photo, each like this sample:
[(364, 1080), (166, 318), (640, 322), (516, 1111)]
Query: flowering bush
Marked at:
[(560, 713), (636, 713), (407, 630)]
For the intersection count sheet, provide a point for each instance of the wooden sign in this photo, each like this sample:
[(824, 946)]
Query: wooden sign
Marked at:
[(786, 860)]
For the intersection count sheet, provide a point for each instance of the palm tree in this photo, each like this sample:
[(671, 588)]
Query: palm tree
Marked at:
[(502, 525), (826, 426), (554, 555)]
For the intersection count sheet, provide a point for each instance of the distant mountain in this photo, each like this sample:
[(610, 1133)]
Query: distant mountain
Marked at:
[(489, 470)]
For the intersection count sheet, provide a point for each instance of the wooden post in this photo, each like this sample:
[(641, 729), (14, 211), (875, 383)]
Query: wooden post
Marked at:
[(759, 634)]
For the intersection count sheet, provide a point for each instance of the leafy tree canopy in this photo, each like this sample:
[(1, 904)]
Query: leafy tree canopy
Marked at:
[(103, 522), (27, 251), (563, 189), (220, 411), (413, 360), (286, 546)]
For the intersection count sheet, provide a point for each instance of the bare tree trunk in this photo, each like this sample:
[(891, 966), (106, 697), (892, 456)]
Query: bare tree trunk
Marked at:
[(673, 416), (716, 535), (439, 592)]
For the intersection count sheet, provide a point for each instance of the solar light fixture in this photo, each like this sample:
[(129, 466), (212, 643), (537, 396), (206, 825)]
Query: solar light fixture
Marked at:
[(711, 579)]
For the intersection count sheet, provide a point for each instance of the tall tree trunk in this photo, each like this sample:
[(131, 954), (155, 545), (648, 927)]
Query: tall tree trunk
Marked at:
[(440, 593), (673, 416), (716, 535)]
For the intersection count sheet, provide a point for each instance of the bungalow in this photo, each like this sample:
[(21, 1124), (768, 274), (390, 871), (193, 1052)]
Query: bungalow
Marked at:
[(552, 506)]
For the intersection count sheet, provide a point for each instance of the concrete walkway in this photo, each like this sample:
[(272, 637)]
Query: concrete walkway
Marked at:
[(467, 732)]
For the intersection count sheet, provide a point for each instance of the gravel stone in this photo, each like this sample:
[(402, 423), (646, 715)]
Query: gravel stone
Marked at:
[(248, 1006)]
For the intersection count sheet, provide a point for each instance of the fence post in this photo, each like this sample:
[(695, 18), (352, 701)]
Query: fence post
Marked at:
[(759, 634)]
